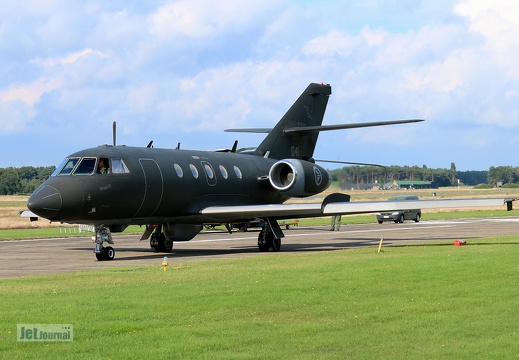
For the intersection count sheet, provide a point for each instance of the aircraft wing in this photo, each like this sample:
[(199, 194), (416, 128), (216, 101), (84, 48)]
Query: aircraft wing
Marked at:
[(326, 208)]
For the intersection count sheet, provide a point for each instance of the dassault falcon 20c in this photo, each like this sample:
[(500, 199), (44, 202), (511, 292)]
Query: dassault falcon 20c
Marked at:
[(174, 192)]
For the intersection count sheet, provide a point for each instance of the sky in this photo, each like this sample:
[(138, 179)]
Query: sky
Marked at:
[(183, 71)]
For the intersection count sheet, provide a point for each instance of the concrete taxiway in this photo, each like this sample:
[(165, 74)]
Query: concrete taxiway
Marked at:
[(47, 256)]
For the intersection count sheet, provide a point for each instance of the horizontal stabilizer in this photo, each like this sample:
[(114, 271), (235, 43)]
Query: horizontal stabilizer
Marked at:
[(310, 129), (251, 130), (304, 129), (349, 163)]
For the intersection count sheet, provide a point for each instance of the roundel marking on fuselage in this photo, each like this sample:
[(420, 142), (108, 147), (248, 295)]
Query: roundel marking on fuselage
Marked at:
[(318, 176)]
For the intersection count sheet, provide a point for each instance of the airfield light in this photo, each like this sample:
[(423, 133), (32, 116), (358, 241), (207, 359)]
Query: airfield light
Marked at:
[(165, 263)]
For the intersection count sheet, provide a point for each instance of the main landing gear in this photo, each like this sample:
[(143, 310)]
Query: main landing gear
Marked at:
[(102, 234), (158, 241), (269, 238)]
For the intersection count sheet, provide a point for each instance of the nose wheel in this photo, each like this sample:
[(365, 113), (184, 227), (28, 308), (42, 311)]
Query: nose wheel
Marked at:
[(107, 253), (102, 234)]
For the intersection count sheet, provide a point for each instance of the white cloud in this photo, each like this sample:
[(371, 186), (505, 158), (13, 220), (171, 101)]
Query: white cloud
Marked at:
[(205, 18), (176, 67), (69, 59), (30, 94)]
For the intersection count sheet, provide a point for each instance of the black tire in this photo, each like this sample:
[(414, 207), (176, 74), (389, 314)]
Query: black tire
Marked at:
[(109, 253), (263, 245), (165, 245), (380, 221), (154, 244), (401, 219), (417, 219), (276, 244), (159, 243)]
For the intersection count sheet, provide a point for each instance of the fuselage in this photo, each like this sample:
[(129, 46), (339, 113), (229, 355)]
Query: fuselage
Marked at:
[(148, 185)]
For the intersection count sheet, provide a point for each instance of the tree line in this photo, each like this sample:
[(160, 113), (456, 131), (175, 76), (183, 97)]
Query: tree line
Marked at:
[(23, 180), (495, 176), (26, 179)]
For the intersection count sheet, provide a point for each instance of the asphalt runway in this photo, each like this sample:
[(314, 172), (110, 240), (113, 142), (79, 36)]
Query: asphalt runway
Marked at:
[(48, 256)]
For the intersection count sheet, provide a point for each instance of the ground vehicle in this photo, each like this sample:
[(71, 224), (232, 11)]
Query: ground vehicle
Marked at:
[(399, 216)]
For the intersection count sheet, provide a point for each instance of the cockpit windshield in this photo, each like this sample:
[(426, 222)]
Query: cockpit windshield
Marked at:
[(66, 167), (91, 165), (86, 166)]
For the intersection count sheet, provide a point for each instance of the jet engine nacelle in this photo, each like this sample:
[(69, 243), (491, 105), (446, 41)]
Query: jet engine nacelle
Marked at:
[(298, 178)]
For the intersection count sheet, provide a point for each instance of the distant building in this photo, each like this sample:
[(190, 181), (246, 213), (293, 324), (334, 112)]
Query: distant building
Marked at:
[(360, 186), (409, 184)]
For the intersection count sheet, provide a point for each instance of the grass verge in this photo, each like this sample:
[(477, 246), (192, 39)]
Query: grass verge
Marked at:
[(415, 302)]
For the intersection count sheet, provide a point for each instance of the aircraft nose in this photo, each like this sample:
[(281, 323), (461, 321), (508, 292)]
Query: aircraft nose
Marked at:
[(46, 202)]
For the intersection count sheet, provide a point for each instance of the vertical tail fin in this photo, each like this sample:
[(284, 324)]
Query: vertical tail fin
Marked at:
[(308, 110)]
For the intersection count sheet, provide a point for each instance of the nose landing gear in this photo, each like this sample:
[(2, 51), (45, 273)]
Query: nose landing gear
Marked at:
[(102, 234)]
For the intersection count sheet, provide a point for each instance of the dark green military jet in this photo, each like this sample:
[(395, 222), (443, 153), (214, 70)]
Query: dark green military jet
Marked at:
[(174, 192)]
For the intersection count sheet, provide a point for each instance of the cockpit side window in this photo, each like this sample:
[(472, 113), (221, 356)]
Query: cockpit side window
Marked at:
[(68, 167), (86, 166), (119, 167), (103, 166)]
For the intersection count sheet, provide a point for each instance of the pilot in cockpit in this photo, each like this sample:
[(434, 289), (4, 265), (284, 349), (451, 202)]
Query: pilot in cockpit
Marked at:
[(103, 166)]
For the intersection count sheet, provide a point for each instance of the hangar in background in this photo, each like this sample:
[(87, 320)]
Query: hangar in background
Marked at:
[(409, 184)]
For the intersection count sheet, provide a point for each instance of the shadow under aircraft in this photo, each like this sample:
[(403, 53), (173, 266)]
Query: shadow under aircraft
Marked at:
[(175, 192)]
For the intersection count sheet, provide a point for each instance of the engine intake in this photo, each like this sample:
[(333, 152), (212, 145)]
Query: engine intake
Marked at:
[(298, 178)]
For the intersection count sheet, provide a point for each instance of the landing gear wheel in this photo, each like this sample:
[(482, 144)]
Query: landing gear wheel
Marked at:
[(102, 235), (276, 244), (268, 242), (159, 243), (108, 253)]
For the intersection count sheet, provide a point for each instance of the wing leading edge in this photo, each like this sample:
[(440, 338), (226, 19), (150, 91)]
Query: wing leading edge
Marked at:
[(331, 206)]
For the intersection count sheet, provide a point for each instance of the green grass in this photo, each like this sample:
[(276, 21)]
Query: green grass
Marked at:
[(411, 302), (51, 232)]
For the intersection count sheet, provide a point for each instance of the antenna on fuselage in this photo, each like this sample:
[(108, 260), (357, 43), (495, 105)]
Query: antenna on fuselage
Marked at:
[(114, 132)]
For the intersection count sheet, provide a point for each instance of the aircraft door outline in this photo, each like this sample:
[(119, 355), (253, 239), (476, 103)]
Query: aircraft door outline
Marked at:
[(210, 174), (153, 188)]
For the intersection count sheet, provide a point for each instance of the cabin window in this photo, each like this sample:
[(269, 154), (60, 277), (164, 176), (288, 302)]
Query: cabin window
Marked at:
[(223, 170), (86, 166), (237, 171), (179, 171), (69, 166), (119, 167), (194, 171)]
